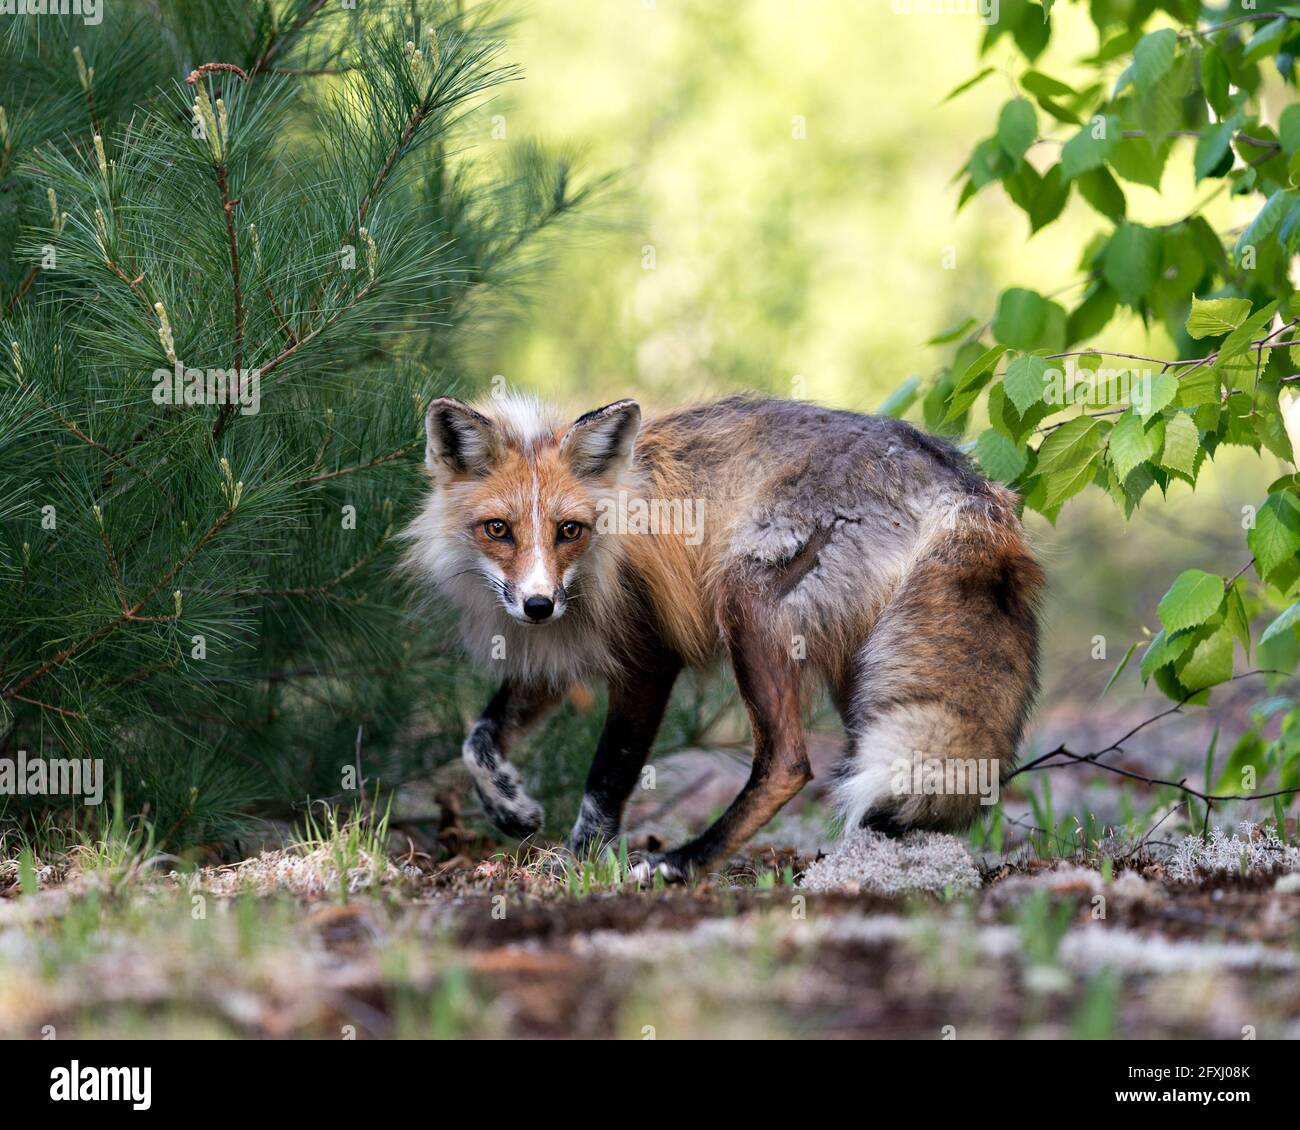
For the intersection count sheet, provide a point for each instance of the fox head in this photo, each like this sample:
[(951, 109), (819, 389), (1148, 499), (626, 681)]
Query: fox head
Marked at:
[(519, 496)]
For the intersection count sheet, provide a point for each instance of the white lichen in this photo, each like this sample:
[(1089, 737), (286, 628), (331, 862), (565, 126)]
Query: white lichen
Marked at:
[(1251, 851), (872, 861)]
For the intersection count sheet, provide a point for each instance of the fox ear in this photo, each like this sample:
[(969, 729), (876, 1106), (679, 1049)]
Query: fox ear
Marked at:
[(459, 439), (600, 443)]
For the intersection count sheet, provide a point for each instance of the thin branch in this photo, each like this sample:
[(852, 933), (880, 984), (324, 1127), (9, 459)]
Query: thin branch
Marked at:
[(277, 44), (362, 466), (228, 209), (1047, 760)]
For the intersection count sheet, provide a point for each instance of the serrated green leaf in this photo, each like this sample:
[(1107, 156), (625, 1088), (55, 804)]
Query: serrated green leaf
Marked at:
[(1275, 540), (1024, 381), (1165, 647), (1191, 600), (1000, 458), (1067, 459), (1213, 316), (1182, 441), (1208, 663), (1130, 444), (1163, 388)]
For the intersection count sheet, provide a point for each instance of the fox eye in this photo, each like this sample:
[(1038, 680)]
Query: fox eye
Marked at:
[(569, 531), (496, 529)]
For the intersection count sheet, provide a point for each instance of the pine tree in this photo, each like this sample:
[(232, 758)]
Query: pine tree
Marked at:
[(202, 594)]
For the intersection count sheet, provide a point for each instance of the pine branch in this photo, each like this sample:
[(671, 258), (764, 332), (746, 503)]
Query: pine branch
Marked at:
[(127, 616)]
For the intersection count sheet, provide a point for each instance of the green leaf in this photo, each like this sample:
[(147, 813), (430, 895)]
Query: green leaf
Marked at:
[(1090, 147), (1164, 387), (1182, 441), (1103, 192), (1130, 444), (961, 88), (1024, 380), (1043, 198), (901, 399), (1275, 540), (1153, 56), (1213, 146), (1265, 41), (1131, 261), (1284, 623), (1191, 600), (979, 366), (1265, 222), (1119, 670), (1044, 86), (969, 385), (988, 163), (1213, 316), (1021, 318), (1164, 648), (1067, 458), (1133, 159), (1215, 80), (1208, 664), (1288, 129), (1017, 127), (952, 333), (1237, 619), (1000, 458)]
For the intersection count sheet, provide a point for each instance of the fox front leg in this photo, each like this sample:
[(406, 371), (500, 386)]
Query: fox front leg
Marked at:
[(513, 709), (636, 707)]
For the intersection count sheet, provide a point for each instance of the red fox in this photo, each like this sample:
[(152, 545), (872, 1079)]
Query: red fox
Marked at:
[(800, 541)]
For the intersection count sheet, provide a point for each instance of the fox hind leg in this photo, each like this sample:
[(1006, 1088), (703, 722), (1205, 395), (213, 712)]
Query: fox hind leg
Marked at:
[(768, 677)]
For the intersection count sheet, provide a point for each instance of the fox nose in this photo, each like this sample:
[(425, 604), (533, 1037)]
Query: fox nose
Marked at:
[(538, 608)]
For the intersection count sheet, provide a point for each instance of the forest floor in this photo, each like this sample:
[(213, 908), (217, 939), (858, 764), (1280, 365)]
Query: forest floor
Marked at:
[(443, 933)]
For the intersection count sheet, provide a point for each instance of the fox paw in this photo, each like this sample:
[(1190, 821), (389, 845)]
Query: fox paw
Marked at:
[(517, 817), (657, 864)]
